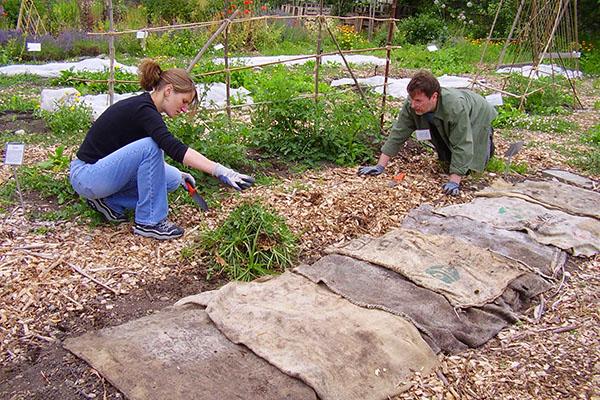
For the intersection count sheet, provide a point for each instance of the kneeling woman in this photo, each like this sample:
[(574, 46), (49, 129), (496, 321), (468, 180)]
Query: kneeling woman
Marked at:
[(120, 164)]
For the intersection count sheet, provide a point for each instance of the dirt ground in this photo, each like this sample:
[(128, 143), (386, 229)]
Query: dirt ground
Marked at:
[(553, 353)]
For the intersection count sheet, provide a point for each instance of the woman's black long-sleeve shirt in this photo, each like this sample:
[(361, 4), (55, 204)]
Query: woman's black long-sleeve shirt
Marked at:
[(125, 122)]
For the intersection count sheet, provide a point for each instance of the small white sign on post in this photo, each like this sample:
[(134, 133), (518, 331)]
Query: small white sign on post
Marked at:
[(32, 46), (14, 153), (432, 47), (14, 156), (218, 46), (494, 99), (141, 35)]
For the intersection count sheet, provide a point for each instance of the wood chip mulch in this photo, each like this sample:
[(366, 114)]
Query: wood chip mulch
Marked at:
[(54, 272)]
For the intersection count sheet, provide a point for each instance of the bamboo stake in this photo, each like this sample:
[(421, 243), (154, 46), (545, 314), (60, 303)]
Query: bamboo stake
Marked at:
[(487, 42), (387, 62), (512, 30), (362, 94), (111, 52), (223, 26)]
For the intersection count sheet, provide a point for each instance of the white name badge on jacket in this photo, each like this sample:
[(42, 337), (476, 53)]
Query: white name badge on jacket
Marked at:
[(423, 134)]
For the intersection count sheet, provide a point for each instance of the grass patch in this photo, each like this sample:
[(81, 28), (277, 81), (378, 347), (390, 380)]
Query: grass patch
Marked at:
[(498, 166), (7, 81), (253, 241)]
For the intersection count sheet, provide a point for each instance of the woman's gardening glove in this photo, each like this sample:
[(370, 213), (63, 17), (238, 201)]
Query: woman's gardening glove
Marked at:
[(232, 178), (187, 178)]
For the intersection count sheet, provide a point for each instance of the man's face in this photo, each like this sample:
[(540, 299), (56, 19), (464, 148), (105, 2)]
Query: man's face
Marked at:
[(423, 104)]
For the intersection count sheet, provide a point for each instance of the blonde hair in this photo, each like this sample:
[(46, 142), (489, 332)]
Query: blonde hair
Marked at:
[(152, 77)]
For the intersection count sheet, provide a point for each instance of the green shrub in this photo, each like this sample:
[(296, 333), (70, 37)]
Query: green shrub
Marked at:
[(340, 128), (423, 29), (253, 241)]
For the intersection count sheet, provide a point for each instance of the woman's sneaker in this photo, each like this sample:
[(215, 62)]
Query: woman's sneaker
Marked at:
[(162, 231), (100, 206)]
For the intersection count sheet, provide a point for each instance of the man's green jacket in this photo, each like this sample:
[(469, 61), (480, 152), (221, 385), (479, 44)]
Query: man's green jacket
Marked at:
[(462, 118)]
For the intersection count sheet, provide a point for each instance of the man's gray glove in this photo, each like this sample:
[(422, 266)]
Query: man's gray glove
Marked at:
[(187, 178), (232, 178), (451, 188), (372, 170)]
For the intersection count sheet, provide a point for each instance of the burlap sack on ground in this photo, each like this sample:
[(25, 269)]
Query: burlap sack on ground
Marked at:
[(579, 235), (466, 275), (557, 195), (443, 327), (339, 349), (178, 354), (513, 244)]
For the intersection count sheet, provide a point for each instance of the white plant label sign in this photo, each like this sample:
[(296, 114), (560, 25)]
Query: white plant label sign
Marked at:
[(141, 35), (32, 46), (14, 153), (495, 99)]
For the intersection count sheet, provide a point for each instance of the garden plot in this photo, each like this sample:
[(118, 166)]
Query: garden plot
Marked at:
[(308, 332)]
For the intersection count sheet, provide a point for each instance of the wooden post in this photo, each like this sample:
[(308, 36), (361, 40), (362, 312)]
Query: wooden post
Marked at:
[(227, 73), (388, 51), (319, 50), (111, 54)]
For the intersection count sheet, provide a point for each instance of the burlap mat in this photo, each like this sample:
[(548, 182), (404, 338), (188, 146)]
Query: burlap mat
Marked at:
[(341, 350), (579, 235), (443, 327), (178, 354), (466, 275), (513, 244), (561, 196)]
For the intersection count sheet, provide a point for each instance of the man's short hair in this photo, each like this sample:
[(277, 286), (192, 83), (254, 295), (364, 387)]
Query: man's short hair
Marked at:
[(423, 81)]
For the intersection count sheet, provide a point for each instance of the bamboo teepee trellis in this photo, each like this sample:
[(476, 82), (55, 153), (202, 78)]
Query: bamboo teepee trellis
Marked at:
[(542, 31)]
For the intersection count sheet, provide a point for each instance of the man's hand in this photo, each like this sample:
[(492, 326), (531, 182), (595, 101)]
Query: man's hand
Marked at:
[(372, 170), (232, 178), (187, 178), (451, 188)]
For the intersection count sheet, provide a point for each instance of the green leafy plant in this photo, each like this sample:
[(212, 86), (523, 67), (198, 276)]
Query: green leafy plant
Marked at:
[(549, 95), (217, 139), (498, 165), (253, 241), (69, 120), (85, 81)]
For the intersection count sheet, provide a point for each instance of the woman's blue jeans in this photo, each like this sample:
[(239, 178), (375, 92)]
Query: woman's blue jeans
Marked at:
[(133, 177)]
